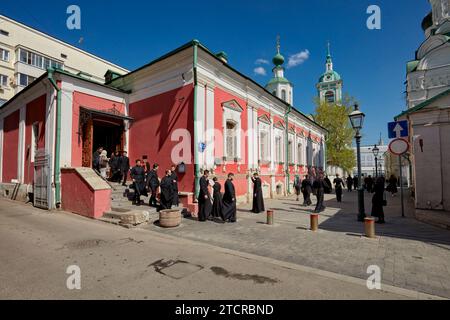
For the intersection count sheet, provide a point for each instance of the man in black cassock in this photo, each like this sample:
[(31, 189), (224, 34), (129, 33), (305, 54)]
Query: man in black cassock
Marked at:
[(229, 200), (258, 199), (114, 163), (204, 198), (217, 207), (124, 167), (138, 176), (350, 183), (306, 190), (175, 198), (320, 185), (153, 184), (166, 191), (355, 182), (339, 187), (328, 188)]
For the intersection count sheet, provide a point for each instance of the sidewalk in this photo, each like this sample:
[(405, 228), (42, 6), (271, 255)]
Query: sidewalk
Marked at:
[(411, 254), (37, 247)]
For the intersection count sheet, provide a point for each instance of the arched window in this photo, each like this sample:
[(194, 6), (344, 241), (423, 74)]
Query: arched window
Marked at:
[(283, 95), (329, 97), (231, 139)]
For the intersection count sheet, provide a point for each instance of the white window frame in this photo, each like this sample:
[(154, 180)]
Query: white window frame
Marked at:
[(264, 128), (235, 116), (34, 140), (3, 80), (4, 55)]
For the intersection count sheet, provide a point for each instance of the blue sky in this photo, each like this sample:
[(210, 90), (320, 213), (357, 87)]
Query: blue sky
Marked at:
[(371, 62)]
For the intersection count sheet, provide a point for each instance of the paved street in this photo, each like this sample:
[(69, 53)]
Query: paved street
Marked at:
[(248, 260), (411, 254)]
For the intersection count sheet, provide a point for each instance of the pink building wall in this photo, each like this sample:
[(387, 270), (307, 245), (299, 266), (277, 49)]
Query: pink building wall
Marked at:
[(10, 146)]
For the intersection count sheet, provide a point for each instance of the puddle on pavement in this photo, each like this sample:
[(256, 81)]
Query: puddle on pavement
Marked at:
[(175, 269), (244, 277)]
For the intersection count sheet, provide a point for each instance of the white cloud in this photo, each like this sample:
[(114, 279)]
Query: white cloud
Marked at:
[(260, 71), (298, 58), (262, 61)]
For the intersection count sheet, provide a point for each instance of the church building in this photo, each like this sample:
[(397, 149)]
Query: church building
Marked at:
[(189, 107)]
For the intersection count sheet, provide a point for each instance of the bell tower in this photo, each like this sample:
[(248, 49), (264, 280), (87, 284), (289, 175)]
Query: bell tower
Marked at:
[(279, 86)]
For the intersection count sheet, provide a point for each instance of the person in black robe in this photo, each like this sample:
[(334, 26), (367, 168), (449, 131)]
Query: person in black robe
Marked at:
[(328, 188), (229, 200), (297, 187), (166, 191), (392, 185), (306, 191), (339, 187), (217, 207), (124, 167), (204, 198), (319, 185), (174, 176), (349, 183), (355, 182), (146, 164), (96, 159), (153, 184), (258, 198), (369, 184), (138, 176), (378, 200), (115, 167)]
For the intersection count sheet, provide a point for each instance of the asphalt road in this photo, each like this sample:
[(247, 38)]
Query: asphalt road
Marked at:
[(37, 248)]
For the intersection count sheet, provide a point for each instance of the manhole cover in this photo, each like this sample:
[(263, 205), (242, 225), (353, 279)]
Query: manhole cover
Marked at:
[(175, 269)]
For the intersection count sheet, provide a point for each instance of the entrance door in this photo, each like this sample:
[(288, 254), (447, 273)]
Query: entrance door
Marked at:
[(109, 135), (87, 132)]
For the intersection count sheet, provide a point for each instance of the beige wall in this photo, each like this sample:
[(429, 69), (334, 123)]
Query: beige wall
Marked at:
[(22, 36), (432, 166)]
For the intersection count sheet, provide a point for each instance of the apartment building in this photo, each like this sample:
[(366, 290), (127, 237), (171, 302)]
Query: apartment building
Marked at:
[(26, 53)]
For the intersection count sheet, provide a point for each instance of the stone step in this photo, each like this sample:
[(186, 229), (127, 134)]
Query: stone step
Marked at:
[(132, 217)]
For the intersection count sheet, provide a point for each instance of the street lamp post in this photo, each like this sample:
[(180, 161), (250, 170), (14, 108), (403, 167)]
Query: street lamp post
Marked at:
[(357, 120), (376, 152)]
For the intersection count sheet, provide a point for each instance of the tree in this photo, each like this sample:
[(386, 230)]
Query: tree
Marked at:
[(334, 118)]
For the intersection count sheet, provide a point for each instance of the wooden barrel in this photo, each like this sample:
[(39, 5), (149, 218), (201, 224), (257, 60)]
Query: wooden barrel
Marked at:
[(170, 218)]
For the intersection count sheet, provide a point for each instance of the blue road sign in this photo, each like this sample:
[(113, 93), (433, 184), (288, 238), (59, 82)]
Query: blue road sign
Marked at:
[(398, 129)]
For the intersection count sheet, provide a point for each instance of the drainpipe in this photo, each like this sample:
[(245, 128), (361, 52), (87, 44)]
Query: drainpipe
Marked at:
[(196, 164), (288, 175), (50, 72)]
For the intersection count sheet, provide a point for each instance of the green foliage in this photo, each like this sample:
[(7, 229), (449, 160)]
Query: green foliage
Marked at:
[(334, 118)]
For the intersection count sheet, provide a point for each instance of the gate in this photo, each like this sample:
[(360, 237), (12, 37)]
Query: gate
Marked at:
[(42, 176)]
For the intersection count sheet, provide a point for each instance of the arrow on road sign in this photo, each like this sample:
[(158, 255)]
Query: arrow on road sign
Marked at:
[(398, 130)]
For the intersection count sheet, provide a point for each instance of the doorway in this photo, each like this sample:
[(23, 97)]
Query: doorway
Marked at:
[(99, 129)]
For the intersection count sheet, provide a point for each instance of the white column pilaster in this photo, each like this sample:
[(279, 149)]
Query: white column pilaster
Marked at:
[(199, 125), (66, 127), (21, 145), (210, 149)]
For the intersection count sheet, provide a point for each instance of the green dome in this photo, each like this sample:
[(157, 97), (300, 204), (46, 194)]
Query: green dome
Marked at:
[(278, 60), (330, 76)]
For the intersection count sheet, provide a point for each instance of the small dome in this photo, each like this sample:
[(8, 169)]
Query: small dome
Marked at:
[(278, 60), (330, 76)]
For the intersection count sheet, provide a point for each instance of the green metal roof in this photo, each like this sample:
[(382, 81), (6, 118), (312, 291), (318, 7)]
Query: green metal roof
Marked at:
[(412, 66), (278, 80), (423, 104), (334, 76)]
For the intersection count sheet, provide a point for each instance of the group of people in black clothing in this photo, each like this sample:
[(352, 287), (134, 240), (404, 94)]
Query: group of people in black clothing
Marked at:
[(223, 207), (146, 180), (318, 186), (119, 164)]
